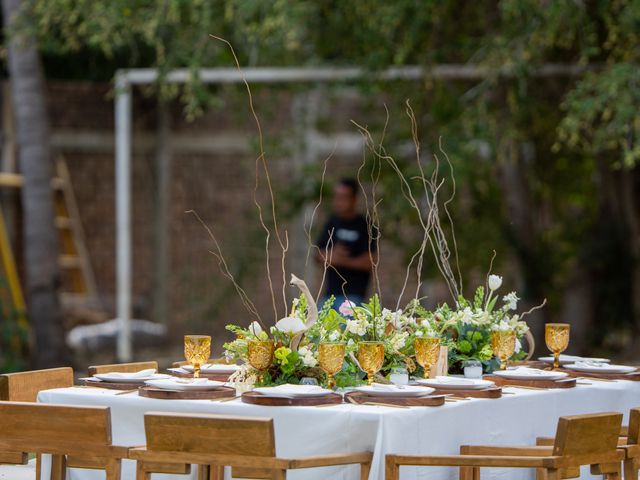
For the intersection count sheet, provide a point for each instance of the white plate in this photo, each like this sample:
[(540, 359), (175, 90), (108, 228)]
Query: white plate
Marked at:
[(292, 391), (604, 368), (530, 374), (106, 377), (565, 359), (453, 383), (395, 390), (184, 384), (214, 368)]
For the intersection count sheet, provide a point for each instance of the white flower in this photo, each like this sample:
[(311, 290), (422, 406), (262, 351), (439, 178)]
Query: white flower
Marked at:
[(357, 327), (510, 301), (255, 328), (399, 340), (334, 336), (419, 333), (291, 325), (495, 281), (306, 355), (466, 316), (518, 346)]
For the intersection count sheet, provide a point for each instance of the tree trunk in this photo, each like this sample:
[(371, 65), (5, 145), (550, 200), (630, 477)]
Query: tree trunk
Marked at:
[(40, 235)]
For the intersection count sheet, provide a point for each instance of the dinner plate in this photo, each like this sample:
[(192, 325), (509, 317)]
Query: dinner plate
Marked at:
[(530, 374), (565, 359), (602, 368), (293, 391), (214, 368), (454, 383), (184, 384), (111, 378), (395, 390)]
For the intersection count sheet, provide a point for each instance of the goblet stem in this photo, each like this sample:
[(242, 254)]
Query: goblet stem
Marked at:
[(196, 370), (503, 363), (370, 377), (331, 383), (556, 360)]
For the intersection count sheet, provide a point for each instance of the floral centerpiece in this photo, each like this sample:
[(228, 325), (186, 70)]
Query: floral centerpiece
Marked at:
[(472, 323)]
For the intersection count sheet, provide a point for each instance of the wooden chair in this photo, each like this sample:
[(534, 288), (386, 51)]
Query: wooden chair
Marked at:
[(24, 387), (122, 367), (217, 441), (580, 440), (631, 447), (61, 431)]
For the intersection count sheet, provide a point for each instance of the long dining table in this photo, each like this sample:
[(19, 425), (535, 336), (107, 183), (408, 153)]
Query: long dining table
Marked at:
[(517, 418)]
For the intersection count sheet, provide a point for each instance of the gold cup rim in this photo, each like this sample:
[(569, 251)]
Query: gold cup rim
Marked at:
[(562, 325), (333, 343), (197, 336), (371, 342), (255, 340)]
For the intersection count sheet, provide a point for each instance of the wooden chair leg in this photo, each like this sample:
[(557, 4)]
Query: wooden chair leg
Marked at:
[(203, 472), (38, 466), (552, 474), (475, 473), (391, 469), (365, 468), (216, 472), (630, 470), (541, 474), (279, 475), (113, 469), (58, 467), (141, 472)]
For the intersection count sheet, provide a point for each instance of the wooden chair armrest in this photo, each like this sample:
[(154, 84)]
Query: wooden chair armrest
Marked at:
[(329, 460), (497, 450), (244, 461), (475, 461), (545, 441), (631, 451)]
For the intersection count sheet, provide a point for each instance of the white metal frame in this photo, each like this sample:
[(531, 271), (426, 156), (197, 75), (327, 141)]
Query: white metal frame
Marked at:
[(125, 79)]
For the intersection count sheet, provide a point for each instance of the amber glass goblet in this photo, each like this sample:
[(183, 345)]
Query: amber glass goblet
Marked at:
[(556, 336), (331, 359), (504, 345), (197, 350), (427, 351)]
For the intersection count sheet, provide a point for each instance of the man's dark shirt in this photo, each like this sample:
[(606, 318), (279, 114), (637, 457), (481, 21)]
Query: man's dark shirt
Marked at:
[(355, 236)]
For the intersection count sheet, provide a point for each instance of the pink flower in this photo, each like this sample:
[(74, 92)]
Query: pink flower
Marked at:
[(346, 308)]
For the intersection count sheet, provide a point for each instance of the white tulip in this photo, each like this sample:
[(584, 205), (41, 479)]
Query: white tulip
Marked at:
[(291, 325), (255, 328), (495, 281)]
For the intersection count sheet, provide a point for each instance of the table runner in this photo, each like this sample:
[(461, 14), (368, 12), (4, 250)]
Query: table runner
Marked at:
[(515, 419)]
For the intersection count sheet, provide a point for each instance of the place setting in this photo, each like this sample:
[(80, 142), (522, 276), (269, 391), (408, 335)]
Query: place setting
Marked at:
[(125, 381), (197, 349)]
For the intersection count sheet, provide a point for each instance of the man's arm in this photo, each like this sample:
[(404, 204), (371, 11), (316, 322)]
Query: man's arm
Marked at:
[(340, 257)]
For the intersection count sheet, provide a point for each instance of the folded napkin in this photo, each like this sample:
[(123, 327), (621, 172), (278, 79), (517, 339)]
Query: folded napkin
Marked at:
[(387, 388), (455, 380), (289, 388), (140, 374), (592, 364), (191, 381), (527, 371)]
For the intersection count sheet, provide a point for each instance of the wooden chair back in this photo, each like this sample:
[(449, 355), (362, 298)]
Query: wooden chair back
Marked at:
[(633, 432), (214, 434), (43, 428), (122, 367), (587, 435), (24, 386)]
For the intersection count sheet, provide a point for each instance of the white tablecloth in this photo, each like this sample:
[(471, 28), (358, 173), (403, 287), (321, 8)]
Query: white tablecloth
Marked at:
[(515, 419)]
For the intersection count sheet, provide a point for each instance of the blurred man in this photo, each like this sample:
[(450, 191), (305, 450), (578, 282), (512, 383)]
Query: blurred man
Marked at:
[(347, 246)]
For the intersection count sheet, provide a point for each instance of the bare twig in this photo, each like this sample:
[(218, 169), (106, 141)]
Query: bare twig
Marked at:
[(261, 159), (224, 268)]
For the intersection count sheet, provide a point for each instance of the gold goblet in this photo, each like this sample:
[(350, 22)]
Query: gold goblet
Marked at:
[(504, 344), (331, 359), (556, 336), (371, 358), (427, 352), (197, 350), (260, 355)]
